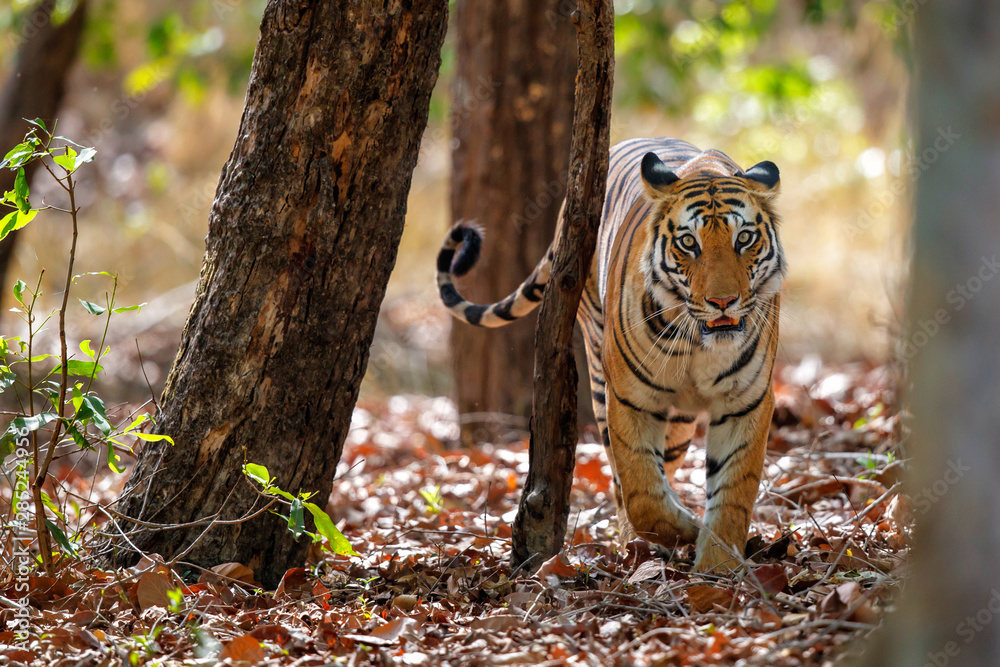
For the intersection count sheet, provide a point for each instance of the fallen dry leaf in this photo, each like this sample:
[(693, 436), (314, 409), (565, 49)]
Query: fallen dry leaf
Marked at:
[(244, 650), (294, 585), (848, 601), (772, 578), (232, 572), (556, 566), (501, 623), (152, 590), (651, 569), (272, 633), (703, 599), (405, 602), (18, 654), (385, 635)]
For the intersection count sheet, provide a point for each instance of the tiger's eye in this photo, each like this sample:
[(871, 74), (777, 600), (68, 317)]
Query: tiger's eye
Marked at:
[(687, 241), (744, 237)]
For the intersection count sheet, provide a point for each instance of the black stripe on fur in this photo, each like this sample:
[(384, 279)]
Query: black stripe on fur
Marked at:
[(468, 254), (682, 419), (503, 310), (444, 260), (450, 296), (532, 292), (473, 314)]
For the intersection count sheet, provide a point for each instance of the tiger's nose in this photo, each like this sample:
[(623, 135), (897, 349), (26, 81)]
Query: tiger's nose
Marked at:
[(721, 302)]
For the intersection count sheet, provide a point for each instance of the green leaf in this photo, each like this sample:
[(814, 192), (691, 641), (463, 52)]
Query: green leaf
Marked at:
[(21, 191), (14, 221), (7, 378), (6, 445), (78, 437), (296, 519), (141, 419), (32, 423), (9, 222), (433, 499), (71, 161), (176, 597), (275, 491), (123, 309), (60, 538), (38, 122), (80, 368), (64, 161), (92, 307), (114, 459), (97, 413), (121, 445), (325, 527), (18, 155), (19, 288), (6, 346), (92, 273), (86, 349), (67, 140), (52, 506), (257, 473), (148, 437), (86, 155), (153, 437)]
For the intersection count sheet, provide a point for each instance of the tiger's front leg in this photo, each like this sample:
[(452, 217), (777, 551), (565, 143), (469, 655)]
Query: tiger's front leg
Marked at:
[(734, 462), (650, 504)]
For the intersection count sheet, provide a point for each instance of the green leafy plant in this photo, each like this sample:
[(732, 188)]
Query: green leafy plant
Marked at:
[(58, 407), (432, 496), (326, 533)]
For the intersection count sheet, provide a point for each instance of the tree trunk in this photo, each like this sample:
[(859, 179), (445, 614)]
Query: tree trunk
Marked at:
[(33, 90), (948, 612), (303, 234), (540, 525), (511, 119)]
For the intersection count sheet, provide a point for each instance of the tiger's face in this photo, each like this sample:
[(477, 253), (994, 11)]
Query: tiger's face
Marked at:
[(715, 248)]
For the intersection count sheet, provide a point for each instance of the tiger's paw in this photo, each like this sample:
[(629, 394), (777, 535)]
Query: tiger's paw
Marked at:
[(667, 531), (713, 558), (626, 533)]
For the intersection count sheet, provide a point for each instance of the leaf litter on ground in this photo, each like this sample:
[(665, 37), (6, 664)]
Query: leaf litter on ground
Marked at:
[(433, 583)]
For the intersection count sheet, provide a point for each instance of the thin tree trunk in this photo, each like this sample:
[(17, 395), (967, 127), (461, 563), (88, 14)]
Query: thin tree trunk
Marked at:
[(511, 118), (948, 614), (540, 525), (302, 237), (34, 89)]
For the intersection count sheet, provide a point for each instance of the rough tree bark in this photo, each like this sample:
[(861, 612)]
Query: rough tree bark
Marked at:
[(511, 120), (948, 612), (303, 234), (540, 525), (34, 89)]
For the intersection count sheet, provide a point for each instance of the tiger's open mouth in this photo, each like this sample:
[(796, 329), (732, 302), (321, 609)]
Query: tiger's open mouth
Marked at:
[(722, 324)]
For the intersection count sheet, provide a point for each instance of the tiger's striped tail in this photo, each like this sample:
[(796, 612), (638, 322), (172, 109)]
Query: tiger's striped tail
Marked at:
[(467, 239)]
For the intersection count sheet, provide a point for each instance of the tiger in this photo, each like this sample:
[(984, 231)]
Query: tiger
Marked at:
[(679, 315)]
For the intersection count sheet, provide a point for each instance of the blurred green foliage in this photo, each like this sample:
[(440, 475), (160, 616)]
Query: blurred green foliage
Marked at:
[(194, 45), (669, 53), (663, 50)]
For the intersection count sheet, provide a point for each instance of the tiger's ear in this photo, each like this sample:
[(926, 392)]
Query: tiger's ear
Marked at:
[(656, 176), (765, 176)]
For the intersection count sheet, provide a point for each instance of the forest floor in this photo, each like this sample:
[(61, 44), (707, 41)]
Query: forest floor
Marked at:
[(433, 583)]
